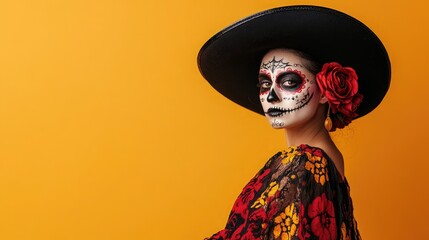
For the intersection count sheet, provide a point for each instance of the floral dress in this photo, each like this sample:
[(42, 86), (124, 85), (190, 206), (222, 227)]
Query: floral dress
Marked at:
[(298, 194)]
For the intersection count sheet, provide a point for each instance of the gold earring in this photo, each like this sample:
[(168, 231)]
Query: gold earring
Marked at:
[(328, 121)]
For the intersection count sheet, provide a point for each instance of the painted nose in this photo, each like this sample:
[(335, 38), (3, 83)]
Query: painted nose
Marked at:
[(272, 97)]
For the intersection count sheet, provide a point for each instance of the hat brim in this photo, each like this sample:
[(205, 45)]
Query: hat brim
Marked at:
[(230, 60)]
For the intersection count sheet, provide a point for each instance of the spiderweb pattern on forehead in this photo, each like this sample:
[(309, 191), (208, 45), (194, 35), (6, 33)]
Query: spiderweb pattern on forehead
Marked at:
[(273, 64)]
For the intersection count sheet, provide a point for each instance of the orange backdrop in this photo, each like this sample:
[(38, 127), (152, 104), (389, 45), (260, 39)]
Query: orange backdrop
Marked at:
[(107, 130)]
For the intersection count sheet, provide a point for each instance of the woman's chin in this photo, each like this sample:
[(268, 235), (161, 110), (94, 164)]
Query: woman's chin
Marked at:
[(276, 123)]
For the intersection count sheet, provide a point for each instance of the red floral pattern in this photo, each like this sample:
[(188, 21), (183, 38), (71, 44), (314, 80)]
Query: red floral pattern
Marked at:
[(340, 86), (286, 201), (322, 214)]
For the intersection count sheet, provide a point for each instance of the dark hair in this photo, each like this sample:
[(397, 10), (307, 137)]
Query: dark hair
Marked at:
[(311, 64)]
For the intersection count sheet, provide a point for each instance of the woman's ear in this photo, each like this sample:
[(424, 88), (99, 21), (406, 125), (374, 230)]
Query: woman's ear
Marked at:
[(323, 99)]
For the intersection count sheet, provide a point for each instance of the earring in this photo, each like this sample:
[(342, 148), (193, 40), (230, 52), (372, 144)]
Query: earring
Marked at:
[(328, 121)]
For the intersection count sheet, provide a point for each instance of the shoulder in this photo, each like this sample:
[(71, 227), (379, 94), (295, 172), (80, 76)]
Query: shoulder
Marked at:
[(316, 157), (311, 151), (307, 169), (301, 160)]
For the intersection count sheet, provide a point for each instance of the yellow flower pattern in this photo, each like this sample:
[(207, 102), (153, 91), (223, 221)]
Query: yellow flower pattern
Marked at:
[(269, 192), (289, 154), (286, 223), (317, 166)]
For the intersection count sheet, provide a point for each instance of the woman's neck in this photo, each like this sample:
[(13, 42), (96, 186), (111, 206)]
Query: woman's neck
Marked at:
[(317, 136), (311, 132), (314, 135)]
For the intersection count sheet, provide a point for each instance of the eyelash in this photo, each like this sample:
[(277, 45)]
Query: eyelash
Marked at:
[(262, 85), (292, 80)]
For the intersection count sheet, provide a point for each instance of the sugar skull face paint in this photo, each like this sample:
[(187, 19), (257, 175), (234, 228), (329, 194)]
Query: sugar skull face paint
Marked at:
[(288, 91)]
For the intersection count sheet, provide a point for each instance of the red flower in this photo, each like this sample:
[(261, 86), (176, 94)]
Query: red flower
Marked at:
[(322, 214), (234, 221), (273, 209), (338, 121), (255, 227), (256, 182), (340, 86), (314, 151), (304, 227), (248, 193)]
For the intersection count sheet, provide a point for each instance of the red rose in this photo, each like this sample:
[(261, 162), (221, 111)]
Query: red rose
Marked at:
[(340, 86), (339, 121)]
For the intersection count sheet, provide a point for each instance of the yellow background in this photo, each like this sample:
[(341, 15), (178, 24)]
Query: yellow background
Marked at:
[(107, 130)]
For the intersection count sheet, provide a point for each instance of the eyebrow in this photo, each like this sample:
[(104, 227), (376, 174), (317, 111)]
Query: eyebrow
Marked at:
[(264, 75), (298, 65), (282, 74)]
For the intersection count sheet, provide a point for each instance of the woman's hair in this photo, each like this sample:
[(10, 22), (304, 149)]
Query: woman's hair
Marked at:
[(311, 64)]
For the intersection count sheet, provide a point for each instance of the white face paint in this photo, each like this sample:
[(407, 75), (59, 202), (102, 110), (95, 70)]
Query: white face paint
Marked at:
[(288, 91)]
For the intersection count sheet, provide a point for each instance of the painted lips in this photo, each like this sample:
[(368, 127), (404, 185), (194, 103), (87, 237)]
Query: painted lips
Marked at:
[(276, 112)]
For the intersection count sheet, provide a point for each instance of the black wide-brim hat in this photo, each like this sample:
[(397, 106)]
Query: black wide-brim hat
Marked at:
[(230, 60)]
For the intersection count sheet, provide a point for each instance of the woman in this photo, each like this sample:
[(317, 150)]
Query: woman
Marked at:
[(309, 59)]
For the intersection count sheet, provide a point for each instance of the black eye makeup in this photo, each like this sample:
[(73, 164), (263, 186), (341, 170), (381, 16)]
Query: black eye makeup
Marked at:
[(264, 84), (290, 81)]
